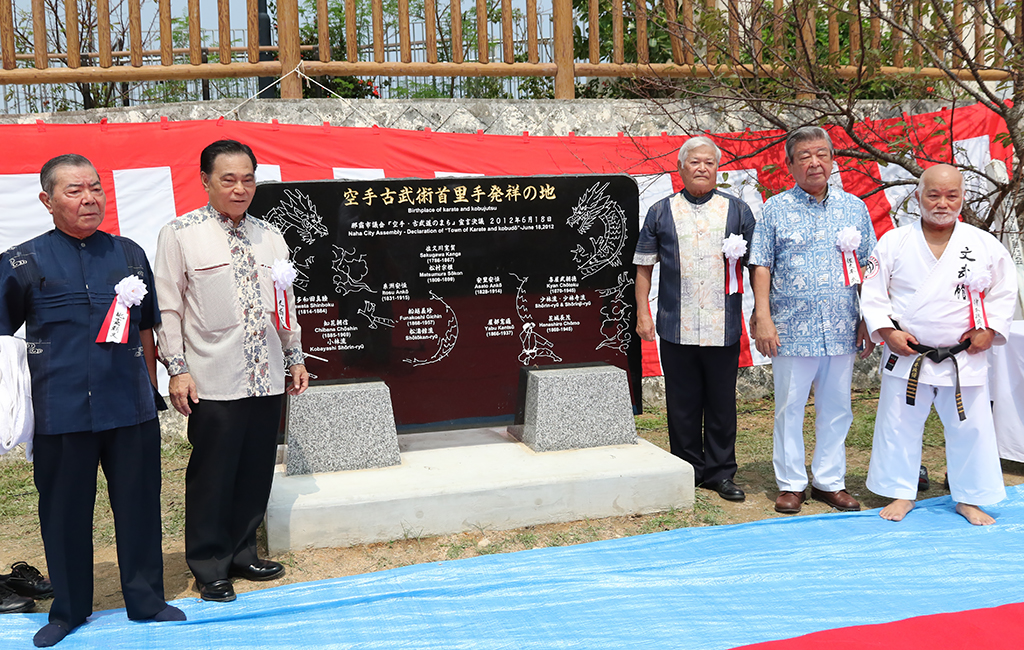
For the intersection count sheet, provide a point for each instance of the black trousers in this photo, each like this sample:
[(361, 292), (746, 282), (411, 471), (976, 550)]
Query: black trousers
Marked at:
[(700, 393), (227, 483), (65, 475)]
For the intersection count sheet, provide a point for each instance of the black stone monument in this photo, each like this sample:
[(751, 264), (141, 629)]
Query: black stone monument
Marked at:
[(445, 288)]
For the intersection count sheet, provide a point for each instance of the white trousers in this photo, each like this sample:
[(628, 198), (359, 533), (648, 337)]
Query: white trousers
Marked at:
[(831, 377), (972, 458)]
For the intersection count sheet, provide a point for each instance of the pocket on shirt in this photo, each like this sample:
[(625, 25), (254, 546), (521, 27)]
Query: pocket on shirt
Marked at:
[(216, 297)]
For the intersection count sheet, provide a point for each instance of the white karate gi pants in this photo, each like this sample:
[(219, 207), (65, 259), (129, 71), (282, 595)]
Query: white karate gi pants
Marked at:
[(831, 377), (972, 458)]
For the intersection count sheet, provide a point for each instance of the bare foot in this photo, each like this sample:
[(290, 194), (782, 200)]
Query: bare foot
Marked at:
[(897, 510), (974, 514)]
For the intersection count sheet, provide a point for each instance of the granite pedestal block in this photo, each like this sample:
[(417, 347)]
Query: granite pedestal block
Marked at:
[(340, 427), (472, 480), (575, 408)]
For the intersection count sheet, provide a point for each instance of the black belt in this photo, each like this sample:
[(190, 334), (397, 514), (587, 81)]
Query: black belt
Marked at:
[(938, 355)]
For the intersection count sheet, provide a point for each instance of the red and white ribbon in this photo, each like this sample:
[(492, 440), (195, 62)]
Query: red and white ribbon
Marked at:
[(130, 292), (283, 273), (977, 281), (848, 241), (734, 247)]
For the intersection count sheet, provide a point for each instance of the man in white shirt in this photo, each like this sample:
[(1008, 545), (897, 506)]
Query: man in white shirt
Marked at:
[(939, 293), (226, 347)]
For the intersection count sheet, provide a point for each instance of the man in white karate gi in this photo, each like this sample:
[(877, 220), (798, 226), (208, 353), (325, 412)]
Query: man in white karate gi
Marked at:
[(946, 289)]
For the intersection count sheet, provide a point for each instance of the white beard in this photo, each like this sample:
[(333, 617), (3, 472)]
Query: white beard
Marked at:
[(940, 220)]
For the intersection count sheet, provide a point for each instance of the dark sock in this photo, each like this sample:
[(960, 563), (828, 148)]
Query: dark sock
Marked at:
[(50, 634), (169, 613)]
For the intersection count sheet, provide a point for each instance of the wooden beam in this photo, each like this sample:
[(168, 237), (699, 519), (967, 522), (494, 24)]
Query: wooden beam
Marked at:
[(643, 55), (252, 23), (734, 30), (224, 31), (483, 49), (195, 45), (777, 25), (288, 47), (896, 35), (979, 32), (135, 32), (103, 33), (916, 49), (351, 37), (404, 39), (377, 15), (617, 32), (93, 74), (323, 30), (73, 38), (1000, 41), (673, 31), (430, 9), (833, 35), (507, 36), (7, 35), (594, 31), (457, 54), (565, 75), (39, 33), (688, 50), (701, 71), (532, 54)]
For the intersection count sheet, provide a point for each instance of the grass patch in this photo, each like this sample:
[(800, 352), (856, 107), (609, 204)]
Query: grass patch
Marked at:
[(579, 534)]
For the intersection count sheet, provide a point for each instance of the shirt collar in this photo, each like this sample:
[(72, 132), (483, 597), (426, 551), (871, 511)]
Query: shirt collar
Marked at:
[(224, 220), (75, 240), (697, 200), (802, 194)]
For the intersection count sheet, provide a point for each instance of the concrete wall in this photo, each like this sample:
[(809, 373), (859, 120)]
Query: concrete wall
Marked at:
[(585, 117)]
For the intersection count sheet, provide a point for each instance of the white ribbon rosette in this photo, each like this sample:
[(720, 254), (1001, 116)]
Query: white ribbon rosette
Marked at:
[(130, 292), (976, 281), (283, 274), (734, 247), (848, 241)]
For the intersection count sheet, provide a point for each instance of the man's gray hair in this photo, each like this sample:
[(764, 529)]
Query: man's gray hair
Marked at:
[(48, 174), (807, 134), (696, 143)]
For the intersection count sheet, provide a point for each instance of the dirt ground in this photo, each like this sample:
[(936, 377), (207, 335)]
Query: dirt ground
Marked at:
[(19, 537)]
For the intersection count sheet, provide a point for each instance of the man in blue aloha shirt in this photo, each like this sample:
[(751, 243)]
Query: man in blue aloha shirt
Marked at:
[(806, 317)]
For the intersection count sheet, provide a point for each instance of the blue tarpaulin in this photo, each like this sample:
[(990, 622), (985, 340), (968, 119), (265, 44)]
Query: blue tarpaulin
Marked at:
[(700, 588)]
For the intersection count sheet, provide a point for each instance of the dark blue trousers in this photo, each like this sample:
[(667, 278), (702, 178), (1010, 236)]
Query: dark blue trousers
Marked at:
[(65, 475)]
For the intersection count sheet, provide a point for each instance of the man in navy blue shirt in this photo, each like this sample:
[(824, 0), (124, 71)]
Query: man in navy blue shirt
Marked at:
[(86, 300)]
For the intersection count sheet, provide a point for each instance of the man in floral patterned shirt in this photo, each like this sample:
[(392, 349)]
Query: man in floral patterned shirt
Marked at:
[(806, 317), (226, 353)]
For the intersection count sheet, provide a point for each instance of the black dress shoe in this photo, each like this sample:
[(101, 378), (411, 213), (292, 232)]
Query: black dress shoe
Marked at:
[(25, 580), (259, 570), (922, 480), (218, 591), (12, 603), (726, 489)]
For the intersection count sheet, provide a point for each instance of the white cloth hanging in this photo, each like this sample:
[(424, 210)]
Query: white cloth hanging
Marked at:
[(17, 419)]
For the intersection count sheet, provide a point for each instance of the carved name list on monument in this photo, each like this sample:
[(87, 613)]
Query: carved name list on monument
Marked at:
[(444, 288)]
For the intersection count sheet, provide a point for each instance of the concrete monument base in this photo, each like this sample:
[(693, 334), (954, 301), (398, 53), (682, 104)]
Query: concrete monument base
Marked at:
[(472, 479)]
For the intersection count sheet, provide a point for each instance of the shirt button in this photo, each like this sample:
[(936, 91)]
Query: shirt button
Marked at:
[(82, 244)]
